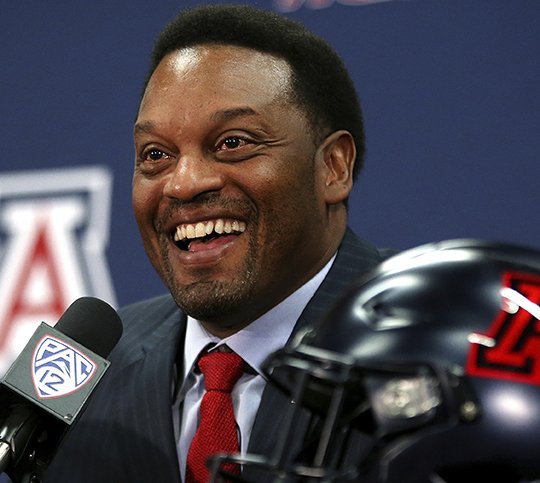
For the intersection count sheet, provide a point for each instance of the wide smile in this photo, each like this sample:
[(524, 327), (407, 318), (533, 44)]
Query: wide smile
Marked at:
[(207, 234)]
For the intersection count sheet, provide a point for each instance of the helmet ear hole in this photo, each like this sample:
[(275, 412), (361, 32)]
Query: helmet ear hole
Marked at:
[(375, 311)]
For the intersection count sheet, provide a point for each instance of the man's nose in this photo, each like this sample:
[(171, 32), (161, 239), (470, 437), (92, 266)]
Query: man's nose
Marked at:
[(192, 176)]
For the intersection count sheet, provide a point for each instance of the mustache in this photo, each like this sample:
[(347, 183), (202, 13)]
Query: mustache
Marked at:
[(207, 200), (202, 199)]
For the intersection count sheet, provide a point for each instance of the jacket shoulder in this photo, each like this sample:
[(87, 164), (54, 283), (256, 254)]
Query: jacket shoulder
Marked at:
[(145, 323)]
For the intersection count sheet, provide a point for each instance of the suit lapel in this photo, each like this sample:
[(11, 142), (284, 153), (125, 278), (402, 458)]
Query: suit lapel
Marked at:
[(354, 258), (149, 378)]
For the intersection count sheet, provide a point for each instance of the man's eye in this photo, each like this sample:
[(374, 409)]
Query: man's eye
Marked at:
[(232, 142), (154, 155)]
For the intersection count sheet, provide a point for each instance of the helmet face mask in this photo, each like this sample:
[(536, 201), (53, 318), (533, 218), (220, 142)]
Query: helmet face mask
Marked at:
[(435, 357), (393, 403)]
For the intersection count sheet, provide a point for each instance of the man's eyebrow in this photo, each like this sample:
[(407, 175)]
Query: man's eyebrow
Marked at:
[(222, 115), (144, 126), (232, 113)]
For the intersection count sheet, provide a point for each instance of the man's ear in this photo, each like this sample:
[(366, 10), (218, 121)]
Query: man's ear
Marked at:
[(338, 152)]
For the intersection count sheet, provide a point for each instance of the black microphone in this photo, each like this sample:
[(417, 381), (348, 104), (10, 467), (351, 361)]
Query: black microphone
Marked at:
[(47, 387)]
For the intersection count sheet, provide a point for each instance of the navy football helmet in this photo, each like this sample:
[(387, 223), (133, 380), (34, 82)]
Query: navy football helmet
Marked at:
[(434, 359)]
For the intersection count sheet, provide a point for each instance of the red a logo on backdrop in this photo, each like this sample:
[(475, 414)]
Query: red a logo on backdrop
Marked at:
[(515, 334), (53, 233)]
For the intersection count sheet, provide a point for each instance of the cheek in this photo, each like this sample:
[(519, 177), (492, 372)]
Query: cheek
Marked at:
[(288, 200), (145, 201), (276, 175)]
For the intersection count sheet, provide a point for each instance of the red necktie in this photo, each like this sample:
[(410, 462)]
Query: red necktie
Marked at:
[(217, 426)]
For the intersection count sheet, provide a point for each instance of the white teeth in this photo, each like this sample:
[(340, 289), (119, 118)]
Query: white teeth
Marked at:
[(218, 228), (202, 229)]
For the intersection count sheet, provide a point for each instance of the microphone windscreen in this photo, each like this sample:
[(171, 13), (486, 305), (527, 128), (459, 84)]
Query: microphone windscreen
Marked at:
[(92, 323)]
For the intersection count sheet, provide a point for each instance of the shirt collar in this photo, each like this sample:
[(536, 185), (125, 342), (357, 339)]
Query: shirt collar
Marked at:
[(263, 336)]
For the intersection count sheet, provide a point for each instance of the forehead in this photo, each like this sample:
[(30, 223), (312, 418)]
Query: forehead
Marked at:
[(219, 71)]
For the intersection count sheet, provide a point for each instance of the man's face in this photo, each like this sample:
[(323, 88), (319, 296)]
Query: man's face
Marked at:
[(228, 187)]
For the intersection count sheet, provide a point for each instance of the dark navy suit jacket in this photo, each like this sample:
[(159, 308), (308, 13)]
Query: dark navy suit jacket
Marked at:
[(126, 434)]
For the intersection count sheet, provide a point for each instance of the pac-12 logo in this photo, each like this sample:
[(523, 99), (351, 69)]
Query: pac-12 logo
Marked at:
[(59, 369), (511, 348), (54, 230)]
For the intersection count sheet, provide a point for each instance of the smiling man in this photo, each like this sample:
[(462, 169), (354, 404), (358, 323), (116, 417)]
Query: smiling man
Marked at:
[(247, 140), (222, 148)]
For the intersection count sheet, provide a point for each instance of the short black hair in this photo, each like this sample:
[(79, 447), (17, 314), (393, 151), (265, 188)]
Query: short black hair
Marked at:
[(321, 84)]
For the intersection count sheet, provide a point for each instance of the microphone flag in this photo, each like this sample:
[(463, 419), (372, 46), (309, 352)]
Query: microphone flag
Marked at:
[(56, 373)]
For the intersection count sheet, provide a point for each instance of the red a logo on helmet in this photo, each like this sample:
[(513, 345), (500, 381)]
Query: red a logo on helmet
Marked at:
[(511, 347)]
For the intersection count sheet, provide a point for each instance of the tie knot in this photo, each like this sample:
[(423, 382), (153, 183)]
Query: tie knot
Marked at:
[(221, 370)]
